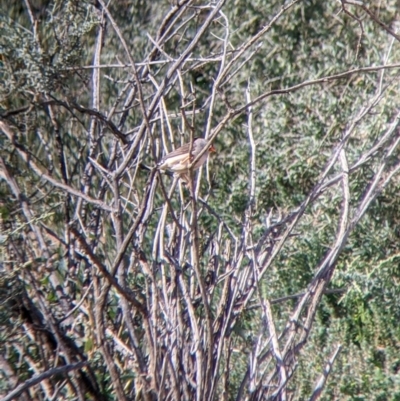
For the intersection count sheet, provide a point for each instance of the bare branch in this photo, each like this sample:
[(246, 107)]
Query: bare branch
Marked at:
[(38, 378)]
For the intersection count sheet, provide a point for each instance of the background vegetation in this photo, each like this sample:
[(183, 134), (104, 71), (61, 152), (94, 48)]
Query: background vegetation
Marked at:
[(274, 274)]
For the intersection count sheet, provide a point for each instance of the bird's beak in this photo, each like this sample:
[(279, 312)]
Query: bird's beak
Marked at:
[(211, 149)]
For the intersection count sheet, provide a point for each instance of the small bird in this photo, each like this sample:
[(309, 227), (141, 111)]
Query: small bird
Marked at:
[(179, 159)]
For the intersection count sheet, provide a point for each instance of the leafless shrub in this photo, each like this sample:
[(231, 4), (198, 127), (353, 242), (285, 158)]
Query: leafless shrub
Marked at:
[(135, 275)]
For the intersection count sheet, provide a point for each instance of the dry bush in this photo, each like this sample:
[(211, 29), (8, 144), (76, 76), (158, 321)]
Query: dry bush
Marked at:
[(123, 283)]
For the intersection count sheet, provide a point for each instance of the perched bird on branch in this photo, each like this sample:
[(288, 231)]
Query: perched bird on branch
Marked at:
[(179, 159)]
